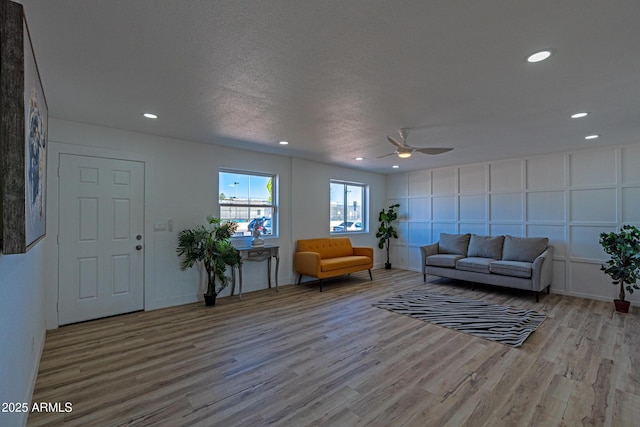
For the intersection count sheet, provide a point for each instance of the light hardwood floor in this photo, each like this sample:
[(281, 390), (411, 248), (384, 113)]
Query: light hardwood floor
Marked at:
[(304, 358)]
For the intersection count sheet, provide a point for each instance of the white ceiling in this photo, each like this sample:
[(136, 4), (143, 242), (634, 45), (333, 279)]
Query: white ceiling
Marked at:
[(334, 77)]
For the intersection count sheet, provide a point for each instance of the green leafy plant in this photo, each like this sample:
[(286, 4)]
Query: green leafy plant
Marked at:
[(210, 244), (624, 265), (386, 231)]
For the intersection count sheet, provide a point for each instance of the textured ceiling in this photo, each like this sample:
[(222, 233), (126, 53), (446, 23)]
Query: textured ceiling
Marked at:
[(334, 77)]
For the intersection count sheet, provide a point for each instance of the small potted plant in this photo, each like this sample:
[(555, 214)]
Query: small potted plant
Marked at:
[(211, 245), (624, 265), (386, 231)]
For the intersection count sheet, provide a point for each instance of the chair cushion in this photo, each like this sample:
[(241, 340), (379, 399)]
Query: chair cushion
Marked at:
[(453, 244), (485, 246), (525, 249), (332, 264), (511, 268), (443, 260), (478, 265)]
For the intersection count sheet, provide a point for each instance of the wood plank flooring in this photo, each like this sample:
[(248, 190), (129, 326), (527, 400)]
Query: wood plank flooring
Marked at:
[(304, 358)]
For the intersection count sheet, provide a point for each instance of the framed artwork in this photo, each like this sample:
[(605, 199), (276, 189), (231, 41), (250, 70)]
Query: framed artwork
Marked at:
[(23, 136)]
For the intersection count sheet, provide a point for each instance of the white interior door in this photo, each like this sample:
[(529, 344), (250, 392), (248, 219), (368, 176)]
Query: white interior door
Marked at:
[(100, 237)]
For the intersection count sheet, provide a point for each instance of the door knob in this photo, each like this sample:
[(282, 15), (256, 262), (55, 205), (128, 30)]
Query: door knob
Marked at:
[(139, 247), (139, 237)]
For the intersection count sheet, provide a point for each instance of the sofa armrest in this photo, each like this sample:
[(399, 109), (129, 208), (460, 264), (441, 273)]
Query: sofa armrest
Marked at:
[(307, 263), (426, 251), (363, 251), (543, 269)]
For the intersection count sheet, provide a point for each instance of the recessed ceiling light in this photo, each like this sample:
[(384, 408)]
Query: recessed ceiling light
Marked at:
[(579, 115), (594, 136), (359, 158), (539, 56), (395, 166), (284, 142), (150, 115)]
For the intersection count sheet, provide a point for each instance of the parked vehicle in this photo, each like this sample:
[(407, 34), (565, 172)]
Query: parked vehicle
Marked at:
[(350, 226), (263, 224)]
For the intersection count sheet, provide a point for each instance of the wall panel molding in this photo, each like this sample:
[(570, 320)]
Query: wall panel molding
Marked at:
[(570, 197)]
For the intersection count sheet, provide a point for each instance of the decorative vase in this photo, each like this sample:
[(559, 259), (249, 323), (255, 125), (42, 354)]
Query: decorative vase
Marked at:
[(622, 306), (387, 266), (209, 300)]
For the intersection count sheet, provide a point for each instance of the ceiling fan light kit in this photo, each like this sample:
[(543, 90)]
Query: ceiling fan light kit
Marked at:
[(404, 150)]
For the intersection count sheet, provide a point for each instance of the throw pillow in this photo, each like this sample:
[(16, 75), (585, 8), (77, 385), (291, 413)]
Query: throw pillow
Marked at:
[(486, 246), (525, 249), (453, 244)]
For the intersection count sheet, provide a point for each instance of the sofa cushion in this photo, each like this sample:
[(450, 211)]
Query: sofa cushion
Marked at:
[(443, 260), (485, 246), (327, 247), (524, 249), (453, 244), (332, 264), (479, 265), (511, 268)]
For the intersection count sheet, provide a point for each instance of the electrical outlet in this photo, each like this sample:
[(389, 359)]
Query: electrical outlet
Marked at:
[(170, 224)]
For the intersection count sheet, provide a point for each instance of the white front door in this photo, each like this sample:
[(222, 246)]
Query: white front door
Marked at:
[(100, 237)]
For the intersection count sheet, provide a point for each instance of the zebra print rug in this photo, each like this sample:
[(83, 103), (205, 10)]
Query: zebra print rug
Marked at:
[(499, 323)]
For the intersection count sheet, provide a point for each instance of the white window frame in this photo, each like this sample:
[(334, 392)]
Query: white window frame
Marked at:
[(273, 206), (345, 212)]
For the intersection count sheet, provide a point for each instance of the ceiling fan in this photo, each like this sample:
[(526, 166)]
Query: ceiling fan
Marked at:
[(404, 150)]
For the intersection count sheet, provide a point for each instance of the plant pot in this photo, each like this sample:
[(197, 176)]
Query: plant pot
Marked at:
[(387, 266), (209, 300), (621, 306)]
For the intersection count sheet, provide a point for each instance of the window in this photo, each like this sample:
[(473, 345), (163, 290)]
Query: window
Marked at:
[(248, 199), (347, 207)]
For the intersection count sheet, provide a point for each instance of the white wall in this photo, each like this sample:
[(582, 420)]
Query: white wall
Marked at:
[(182, 184), (569, 197), (22, 303)]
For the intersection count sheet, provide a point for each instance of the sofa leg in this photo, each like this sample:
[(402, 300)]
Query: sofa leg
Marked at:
[(537, 296), (299, 279), (548, 289), (424, 277), (320, 285), (370, 276)]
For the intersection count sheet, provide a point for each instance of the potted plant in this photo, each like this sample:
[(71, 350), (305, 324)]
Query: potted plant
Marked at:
[(624, 265), (210, 244), (386, 230)]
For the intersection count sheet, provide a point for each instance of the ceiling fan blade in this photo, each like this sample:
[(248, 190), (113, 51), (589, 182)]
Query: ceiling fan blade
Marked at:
[(433, 150), (395, 142), (386, 155)]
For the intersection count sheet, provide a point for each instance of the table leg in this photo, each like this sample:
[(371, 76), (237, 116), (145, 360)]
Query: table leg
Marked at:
[(269, 271), (233, 279), (277, 266), (240, 282)]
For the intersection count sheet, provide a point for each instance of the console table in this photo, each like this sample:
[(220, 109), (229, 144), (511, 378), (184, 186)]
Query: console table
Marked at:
[(256, 253)]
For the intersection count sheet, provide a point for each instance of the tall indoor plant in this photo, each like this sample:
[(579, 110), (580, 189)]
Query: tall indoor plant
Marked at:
[(210, 244), (624, 265), (386, 231)]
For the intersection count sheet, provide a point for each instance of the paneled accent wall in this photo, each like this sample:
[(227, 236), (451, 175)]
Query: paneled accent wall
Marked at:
[(569, 197)]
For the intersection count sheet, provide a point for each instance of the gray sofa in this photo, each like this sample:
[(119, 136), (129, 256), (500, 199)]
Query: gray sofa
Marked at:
[(513, 262)]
